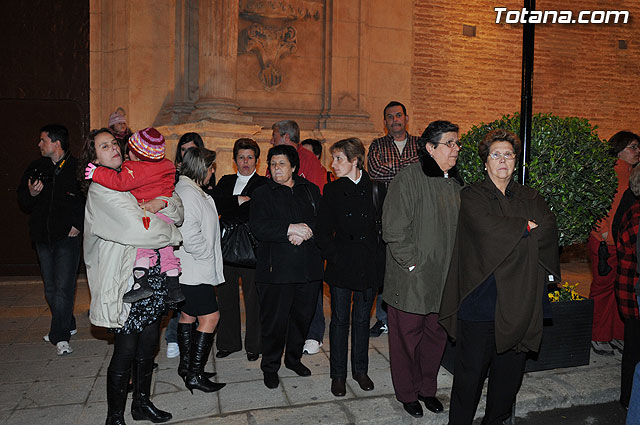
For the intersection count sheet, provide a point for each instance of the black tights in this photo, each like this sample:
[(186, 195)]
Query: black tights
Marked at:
[(128, 347)]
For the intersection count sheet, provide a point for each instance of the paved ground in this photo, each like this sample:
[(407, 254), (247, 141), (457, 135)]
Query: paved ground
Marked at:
[(42, 388)]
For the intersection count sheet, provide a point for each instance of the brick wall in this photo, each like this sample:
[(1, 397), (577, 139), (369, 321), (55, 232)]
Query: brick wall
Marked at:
[(579, 70)]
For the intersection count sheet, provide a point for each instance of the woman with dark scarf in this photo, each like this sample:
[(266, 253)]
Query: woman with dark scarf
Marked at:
[(506, 246)]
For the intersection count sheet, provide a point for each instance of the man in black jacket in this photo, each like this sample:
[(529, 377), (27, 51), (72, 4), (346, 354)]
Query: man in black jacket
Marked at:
[(49, 192)]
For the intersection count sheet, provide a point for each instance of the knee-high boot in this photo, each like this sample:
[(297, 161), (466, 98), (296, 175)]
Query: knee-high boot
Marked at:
[(200, 349), (116, 396), (184, 342), (141, 407), (185, 331)]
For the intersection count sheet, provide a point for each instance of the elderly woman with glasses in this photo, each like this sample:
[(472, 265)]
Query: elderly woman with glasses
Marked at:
[(506, 246)]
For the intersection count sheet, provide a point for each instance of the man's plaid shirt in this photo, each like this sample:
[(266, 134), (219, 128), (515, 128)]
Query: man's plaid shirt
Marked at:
[(627, 276), (383, 150)]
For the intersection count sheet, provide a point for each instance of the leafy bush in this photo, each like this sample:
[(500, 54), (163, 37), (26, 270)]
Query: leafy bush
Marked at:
[(569, 166)]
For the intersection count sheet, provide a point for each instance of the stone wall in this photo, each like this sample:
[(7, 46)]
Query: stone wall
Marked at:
[(187, 64)]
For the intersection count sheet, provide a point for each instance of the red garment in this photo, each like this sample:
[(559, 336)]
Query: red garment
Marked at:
[(607, 324), (627, 277), (623, 171), (145, 180), (310, 168)]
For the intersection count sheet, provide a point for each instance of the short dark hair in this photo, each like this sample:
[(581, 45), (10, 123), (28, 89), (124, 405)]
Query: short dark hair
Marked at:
[(393, 103), (433, 133), (57, 132), (246, 143), (498, 135), (196, 162), (621, 140), (289, 151), (288, 127), (316, 146), (186, 138), (352, 148)]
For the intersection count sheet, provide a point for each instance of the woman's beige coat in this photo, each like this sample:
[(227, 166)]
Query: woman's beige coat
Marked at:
[(113, 230)]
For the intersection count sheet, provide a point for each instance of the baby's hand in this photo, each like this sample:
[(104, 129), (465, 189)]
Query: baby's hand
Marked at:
[(88, 172)]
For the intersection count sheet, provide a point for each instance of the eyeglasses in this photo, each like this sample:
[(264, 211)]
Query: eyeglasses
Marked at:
[(451, 143), (506, 155)]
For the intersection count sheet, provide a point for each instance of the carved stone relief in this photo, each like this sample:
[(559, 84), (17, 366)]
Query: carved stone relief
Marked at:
[(272, 34)]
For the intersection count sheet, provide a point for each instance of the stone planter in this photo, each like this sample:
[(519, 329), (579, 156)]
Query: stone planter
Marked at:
[(566, 339)]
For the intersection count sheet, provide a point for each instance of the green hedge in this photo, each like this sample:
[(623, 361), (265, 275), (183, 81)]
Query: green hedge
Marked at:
[(569, 166)]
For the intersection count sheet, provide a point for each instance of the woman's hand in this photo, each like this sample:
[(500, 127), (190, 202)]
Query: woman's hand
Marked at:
[(532, 224), (295, 240), (301, 230), (242, 199), (154, 205)]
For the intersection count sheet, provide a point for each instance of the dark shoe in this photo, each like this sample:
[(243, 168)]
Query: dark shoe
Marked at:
[(174, 294), (300, 369), (142, 409), (338, 387), (221, 354), (116, 396), (200, 349), (378, 329), (271, 380), (431, 403), (252, 357), (364, 381), (141, 284), (414, 409)]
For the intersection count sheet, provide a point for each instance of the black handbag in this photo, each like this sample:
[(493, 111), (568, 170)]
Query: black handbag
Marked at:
[(238, 245)]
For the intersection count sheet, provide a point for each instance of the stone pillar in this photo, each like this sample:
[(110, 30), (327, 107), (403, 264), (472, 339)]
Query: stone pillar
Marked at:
[(218, 48), (343, 67)]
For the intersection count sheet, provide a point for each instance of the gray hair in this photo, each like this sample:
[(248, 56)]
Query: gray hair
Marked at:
[(288, 127), (196, 162), (634, 181)]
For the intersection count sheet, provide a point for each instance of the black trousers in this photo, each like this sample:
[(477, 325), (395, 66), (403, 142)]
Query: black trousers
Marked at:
[(229, 329), (630, 358), (138, 346), (286, 311), (475, 356)]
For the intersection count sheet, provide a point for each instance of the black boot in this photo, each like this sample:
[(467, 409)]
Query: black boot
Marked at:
[(200, 349), (141, 279), (174, 295), (116, 396), (184, 342), (141, 407), (185, 331)]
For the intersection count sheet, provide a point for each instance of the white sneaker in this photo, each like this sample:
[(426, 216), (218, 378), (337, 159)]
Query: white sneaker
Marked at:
[(46, 337), (63, 348), (311, 346), (617, 344), (602, 348), (173, 350)]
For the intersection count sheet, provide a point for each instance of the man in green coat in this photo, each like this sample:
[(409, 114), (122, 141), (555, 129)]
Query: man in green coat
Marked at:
[(419, 225)]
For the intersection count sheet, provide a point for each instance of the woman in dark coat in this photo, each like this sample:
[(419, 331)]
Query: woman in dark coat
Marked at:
[(233, 199), (506, 246), (350, 242), (289, 265)]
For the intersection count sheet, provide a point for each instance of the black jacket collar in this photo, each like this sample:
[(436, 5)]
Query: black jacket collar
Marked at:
[(431, 168)]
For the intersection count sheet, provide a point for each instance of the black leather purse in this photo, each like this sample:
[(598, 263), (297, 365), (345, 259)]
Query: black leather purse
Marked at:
[(238, 245)]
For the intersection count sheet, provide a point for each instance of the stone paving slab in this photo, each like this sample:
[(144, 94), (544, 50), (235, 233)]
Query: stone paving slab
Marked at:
[(47, 389)]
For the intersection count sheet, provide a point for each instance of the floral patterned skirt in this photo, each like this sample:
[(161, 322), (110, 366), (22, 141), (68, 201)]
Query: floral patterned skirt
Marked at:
[(148, 310)]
